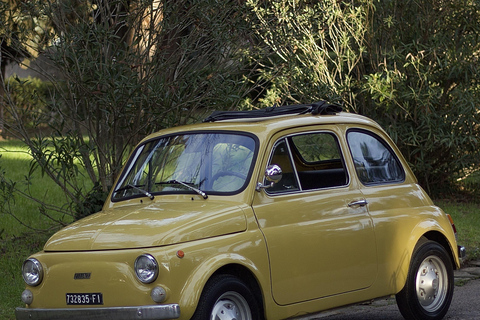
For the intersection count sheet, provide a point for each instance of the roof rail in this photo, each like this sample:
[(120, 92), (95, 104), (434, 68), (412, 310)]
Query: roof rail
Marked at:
[(316, 108)]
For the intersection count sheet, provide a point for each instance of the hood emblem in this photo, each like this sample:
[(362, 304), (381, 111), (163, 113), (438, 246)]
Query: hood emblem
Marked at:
[(82, 276)]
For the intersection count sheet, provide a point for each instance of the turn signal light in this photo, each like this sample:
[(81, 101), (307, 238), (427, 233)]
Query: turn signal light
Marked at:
[(453, 225)]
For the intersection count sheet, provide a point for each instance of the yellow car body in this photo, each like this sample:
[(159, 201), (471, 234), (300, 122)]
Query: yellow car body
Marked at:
[(299, 252)]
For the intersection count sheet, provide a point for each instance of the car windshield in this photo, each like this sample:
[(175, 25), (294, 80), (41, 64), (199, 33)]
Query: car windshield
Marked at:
[(205, 163)]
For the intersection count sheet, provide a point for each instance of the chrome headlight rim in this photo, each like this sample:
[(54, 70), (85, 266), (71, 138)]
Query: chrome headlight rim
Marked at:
[(146, 268), (32, 272)]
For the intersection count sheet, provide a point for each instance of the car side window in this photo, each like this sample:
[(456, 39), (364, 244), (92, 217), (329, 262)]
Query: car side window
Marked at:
[(281, 157), (374, 161), (318, 161)]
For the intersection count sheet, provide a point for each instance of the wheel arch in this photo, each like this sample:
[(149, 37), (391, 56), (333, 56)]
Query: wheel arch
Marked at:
[(416, 242), (248, 277), (443, 241), (196, 283), (420, 299), (432, 235)]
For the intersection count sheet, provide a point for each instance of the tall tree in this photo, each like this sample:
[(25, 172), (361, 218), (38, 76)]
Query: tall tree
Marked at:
[(129, 68)]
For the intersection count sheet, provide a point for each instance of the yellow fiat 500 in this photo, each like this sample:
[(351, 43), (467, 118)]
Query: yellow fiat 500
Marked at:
[(266, 214)]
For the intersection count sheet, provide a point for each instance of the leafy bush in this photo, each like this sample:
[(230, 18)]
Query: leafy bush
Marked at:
[(30, 96), (308, 50), (92, 203), (417, 77), (423, 87)]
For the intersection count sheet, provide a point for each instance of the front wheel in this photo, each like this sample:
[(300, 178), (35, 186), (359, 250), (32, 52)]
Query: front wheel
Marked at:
[(225, 297), (429, 288)]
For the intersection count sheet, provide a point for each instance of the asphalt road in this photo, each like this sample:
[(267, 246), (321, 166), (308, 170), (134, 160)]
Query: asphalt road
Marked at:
[(465, 306)]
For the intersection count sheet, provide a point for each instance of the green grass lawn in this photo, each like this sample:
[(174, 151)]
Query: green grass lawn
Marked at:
[(17, 242), (15, 162), (466, 217)]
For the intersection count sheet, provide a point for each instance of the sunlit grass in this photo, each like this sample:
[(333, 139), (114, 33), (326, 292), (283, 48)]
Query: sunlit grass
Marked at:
[(16, 162), (17, 241)]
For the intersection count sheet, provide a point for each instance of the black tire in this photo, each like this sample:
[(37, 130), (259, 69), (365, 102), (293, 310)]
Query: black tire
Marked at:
[(429, 288), (228, 295)]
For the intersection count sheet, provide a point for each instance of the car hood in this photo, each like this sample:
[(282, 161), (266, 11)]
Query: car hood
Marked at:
[(155, 224)]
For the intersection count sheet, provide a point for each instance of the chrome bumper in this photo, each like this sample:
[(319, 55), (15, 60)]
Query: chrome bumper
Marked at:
[(462, 253), (168, 311)]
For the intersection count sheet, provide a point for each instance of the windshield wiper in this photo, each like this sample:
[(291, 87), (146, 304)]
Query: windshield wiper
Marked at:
[(200, 192), (148, 194)]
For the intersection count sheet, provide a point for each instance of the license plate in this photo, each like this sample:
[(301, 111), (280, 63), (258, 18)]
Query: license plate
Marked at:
[(84, 298)]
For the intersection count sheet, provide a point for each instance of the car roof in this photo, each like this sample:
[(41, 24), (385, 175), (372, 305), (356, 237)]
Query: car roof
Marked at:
[(279, 119), (321, 107)]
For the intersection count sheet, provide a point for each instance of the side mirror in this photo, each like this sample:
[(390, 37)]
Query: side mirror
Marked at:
[(273, 174)]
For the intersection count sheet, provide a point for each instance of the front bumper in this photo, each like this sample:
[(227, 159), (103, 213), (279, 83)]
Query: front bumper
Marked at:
[(168, 311)]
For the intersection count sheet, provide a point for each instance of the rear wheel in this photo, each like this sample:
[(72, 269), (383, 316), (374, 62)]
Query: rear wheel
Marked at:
[(226, 297), (429, 288)]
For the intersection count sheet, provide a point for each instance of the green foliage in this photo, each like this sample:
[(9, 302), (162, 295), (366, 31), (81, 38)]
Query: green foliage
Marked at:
[(423, 85), (122, 74), (175, 60), (124, 69), (92, 203), (30, 98), (416, 76), (308, 50), (28, 200), (471, 184)]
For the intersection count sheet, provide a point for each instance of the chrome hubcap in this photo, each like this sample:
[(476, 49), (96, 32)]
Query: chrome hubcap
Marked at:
[(231, 306), (432, 283)]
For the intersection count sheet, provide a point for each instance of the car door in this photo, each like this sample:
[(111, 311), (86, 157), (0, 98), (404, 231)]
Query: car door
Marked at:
[(317, 228)]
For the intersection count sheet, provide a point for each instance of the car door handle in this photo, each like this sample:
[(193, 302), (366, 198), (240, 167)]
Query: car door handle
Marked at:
[(361, 203)]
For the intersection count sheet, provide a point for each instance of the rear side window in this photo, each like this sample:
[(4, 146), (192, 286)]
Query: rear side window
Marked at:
[(375, 162)]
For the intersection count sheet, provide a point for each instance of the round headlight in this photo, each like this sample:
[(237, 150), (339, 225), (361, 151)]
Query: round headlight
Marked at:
[(146, 268), (32, 272)]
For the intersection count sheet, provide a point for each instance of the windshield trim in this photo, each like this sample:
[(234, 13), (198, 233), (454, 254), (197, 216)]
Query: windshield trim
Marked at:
[(138, 149)]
